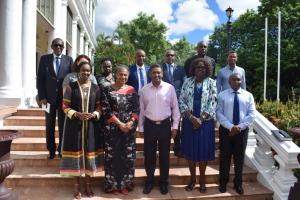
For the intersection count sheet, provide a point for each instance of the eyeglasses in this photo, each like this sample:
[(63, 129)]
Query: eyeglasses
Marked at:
[(58, 45), (168, 55)]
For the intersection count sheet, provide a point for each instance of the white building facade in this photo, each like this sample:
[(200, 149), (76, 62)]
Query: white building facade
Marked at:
[(28, 28)]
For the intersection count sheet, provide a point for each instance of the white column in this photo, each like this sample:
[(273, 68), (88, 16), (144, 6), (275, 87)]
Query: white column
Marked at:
[(86, 48), (10, 52), (60, 21), (90, 52), (29, 53), (91, 12), (74, 37), (87, 6), (81, 50)]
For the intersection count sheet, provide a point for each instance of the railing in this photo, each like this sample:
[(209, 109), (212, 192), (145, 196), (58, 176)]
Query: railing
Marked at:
[(263, 149)]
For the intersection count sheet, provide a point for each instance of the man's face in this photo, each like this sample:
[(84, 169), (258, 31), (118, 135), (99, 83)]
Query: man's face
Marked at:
[(170, 57), (106, 67), (235, 82), (57, 46), (201, 49), (232, 59), (156, 75), (140, 57)]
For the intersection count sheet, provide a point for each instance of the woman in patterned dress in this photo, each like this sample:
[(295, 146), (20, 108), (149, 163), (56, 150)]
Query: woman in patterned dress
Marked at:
[(81, 148), (120, 109), (197, 104)]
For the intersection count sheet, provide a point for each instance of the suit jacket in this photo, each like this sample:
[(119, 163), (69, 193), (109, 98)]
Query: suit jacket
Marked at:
[(49, 84), (133, 78), (178, 77)]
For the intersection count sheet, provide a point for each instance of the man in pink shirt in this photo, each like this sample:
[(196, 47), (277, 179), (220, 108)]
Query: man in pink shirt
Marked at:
[(158, 104)]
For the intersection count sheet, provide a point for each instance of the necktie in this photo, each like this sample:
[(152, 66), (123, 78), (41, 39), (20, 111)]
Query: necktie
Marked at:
[(142, 77), (57, 65), (170, 71), (236, 110)]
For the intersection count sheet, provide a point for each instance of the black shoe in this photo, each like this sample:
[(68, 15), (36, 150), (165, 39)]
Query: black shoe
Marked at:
[(163, 189), (222, 188), (60, 156), (147, 188), (239, 189), (51, 156)]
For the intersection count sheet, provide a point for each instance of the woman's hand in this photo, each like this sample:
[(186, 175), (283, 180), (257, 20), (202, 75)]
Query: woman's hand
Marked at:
[(123, 127), (84, 116), (195, 121)]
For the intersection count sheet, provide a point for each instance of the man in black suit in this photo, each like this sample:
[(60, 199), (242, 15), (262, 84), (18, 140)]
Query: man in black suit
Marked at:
[(201, 53), (175, 75), (138, 72), (52, 70)]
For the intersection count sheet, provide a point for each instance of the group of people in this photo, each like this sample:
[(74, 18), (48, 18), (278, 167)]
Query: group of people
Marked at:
[(100, 117)]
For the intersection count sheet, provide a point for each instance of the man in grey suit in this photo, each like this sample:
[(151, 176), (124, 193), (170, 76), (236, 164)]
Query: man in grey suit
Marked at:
[(175, 75), (52, 70)]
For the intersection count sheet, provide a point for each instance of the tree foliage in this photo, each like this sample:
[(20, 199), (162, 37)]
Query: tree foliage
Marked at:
[(144, 32), (248, 40)]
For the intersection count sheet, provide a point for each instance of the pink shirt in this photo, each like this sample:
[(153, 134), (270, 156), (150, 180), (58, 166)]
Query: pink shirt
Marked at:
[(158, 103)]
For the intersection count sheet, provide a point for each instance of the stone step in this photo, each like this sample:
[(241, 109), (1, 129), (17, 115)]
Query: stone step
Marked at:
[(252, 191), (29, 131), (30, 112), (39, 144), (39, 159), (33, 176), (24, 121)]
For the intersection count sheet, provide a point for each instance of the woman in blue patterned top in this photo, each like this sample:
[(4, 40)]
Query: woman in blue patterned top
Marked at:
[(197, 104)]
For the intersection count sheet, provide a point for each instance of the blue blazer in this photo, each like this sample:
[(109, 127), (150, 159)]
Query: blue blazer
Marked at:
[(178, 77), (49, 85), (133, 78)]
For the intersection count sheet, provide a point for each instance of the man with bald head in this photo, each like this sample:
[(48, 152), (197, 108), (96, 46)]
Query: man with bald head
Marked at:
[(201, 53), (138, 72), (235, 113)]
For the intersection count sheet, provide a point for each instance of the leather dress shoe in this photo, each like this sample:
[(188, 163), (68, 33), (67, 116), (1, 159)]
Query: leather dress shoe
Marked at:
[(147, 188), (239, 189), (163, 189), (222, 188), (51, 156)]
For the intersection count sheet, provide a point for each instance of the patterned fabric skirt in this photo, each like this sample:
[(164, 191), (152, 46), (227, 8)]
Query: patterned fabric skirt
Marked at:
[(119, 159), (81, 150)]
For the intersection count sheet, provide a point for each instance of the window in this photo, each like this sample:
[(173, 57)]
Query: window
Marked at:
[(46, 8)]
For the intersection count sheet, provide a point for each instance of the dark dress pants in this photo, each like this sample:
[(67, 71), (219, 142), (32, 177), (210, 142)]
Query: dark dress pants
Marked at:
[(50, 126), (232, 146), (177, 141), (157, 135)]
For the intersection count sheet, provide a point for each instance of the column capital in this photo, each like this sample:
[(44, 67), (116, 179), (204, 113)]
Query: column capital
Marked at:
[(75, 20), (64, 2)]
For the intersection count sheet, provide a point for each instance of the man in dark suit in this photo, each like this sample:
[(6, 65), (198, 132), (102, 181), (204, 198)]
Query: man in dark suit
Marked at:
[(201, 53), (174, 74), (138, 72), (52, 70)]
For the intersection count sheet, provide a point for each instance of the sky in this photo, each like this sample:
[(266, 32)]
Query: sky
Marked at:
[(194, 19)]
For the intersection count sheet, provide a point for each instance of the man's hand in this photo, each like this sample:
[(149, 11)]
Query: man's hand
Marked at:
[(173, 133), (43, 101), (140, 134), (234, 131)]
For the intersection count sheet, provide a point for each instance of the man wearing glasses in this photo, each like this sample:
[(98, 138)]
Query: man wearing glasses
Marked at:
[(175, 75), (201, 53), (52, 70)]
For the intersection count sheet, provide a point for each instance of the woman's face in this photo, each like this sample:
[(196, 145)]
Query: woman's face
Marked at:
[(84, 72), (200, 71), (83, 59), (122, 76)]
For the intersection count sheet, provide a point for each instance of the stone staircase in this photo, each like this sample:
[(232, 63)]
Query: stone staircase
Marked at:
[(36, 178)]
